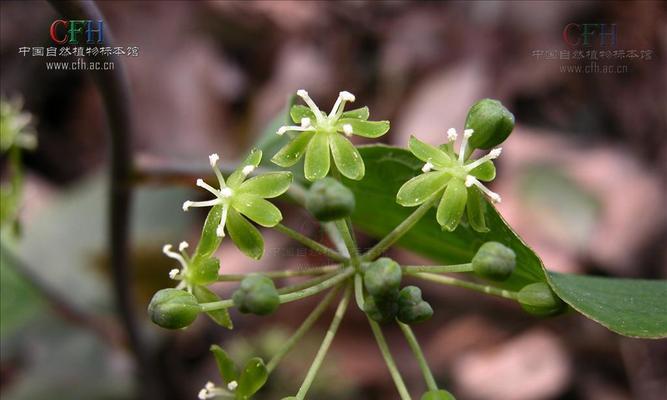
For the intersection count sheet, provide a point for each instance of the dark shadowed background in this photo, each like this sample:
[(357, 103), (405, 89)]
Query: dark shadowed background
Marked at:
[(582, 179)]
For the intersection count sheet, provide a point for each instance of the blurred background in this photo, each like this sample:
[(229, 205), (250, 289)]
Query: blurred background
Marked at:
[(582, 179)]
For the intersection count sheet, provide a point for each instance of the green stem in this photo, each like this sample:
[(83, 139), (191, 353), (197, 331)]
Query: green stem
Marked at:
[(324, 347), (309, 283), (325, 269), (305, 327), (389, 360), (447, 280), (399, 231), (350, 243), (288, 297), (308, 242), (359, 291), (437, 268), (419, 355)]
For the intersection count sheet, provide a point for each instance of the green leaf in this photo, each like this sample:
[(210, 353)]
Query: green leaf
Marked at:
[(347, 157), (220, 317), (246, 237), (226, 365), (418, 189), (268, 185), (257, 209), (428, 153), (438, 395), (298, 111), (203, 271), (254, 158), (292, 152), (388, 168), (369, 129), (252, 378), (452, 204), (317, 157), (475, 210), (485, 172), (209, 240), (630, 307), (358, 113)]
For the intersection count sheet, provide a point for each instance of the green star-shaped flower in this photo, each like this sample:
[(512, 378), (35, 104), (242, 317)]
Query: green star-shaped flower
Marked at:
[(321, 134), (456, 177), (238, 198)]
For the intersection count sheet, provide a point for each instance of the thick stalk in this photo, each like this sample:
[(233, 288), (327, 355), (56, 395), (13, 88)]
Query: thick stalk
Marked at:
[(303, 328), (310, 243), (398, 232), (419, 355), (325, 269), (437, 269), (447, 280), (326, 343), (389, 360)]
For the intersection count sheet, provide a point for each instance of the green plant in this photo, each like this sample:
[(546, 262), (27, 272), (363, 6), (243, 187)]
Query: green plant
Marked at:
[(369, 188)]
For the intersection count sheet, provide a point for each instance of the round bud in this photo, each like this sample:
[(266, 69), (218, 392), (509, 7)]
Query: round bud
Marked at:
[(383, 309), (328, 200), (539, 299), (494, 261), (438, 395), (257, 295), (173, 308), (411, 307), (492, 123), (382, 277)]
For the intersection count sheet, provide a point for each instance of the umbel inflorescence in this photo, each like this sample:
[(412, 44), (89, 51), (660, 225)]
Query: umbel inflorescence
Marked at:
[(451, 180)]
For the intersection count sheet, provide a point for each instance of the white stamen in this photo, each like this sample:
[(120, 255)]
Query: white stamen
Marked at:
[(281, 131), (347, 130), (186, 205), (232, 385), (346, 96), (226, 192), (464, 143), (471, 180), (311, 104), (204, 185), (493, 154), (174, 273), (213, 159), (247, 170), (220, 230), (183, 245), (305, 122), (451, 134), (209, 385), (203, 394), (166, 249), (427, 167)]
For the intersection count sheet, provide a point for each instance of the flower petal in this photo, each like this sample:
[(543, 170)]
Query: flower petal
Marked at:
[(298, 111), (418, 189), (452, 204), (292, 152), (428, 153), (253, 159), (484, 172), (246, 237), (358, 113), (268, 185), (209, 241), (347, 157), (369, 129), (317, 157), (257, 209), (475, 210)]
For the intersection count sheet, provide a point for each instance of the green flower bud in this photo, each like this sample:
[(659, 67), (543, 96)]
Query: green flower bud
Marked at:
[(494, 261), (411, 307), (328, 200), (492, 123), (257, 295), (539, 299), (382, 277), (382, 309), (173, 308), (438, 395)]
